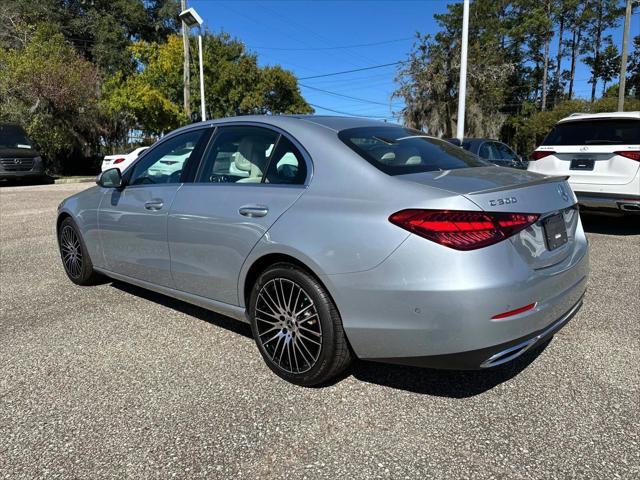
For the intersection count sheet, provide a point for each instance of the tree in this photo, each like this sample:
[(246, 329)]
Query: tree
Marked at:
[(52, 91), (609, 65), (633, 70)]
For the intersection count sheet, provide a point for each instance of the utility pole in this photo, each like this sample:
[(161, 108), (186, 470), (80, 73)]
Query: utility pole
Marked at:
[(185, 74), (623, 58), (462, 90)]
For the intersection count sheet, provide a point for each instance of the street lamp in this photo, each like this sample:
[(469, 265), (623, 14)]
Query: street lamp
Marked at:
[(191, 18)]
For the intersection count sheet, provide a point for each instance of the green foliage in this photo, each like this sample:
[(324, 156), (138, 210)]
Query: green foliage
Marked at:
[(47, 87)]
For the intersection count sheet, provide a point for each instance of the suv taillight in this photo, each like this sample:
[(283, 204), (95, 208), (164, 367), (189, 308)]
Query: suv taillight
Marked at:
[(632, 154), (538, 154), (463, 230)]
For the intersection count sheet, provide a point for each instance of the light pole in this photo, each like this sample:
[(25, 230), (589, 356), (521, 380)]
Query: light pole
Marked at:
[(623, 58), (191, 18), (462, 90)]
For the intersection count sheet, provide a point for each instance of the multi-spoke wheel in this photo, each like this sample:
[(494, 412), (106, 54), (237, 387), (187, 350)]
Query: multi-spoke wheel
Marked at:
[(75, 257), (297, 327)]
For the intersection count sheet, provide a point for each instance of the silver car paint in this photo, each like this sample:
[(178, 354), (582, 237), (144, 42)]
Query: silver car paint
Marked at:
[(398, 294)]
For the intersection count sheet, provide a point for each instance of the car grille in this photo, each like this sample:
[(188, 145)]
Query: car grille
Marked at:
[(16, 164)]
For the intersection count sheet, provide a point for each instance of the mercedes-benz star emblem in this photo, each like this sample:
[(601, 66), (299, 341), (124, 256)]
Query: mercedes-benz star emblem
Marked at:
[(17, 161)]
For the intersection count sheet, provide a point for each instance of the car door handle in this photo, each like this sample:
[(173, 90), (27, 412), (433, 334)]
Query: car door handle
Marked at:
[(153, 204), (253, 211)]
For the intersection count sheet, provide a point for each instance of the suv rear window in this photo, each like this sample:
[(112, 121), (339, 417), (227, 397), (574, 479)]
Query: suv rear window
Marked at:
[(399, 151), (595, 132)]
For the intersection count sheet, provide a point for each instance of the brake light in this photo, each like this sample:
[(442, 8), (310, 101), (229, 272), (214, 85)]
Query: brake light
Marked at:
[(462, 230), (517, 311), (632, 154), (538, 154), (118, 160)]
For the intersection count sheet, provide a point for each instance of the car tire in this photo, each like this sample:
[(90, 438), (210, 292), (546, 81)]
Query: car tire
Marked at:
[(297, 327), (75, 257)]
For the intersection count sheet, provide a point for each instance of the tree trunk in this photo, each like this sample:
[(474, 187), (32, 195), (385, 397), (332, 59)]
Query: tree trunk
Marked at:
[(545, 70), (576, 36), (559, 58), (596, 52)]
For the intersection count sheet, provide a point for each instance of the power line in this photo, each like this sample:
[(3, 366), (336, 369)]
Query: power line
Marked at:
[(386, 42), (355, 70), (344, 96), (350, 114)]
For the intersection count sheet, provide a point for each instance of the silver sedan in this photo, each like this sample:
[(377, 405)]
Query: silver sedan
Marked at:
[(338, 238)]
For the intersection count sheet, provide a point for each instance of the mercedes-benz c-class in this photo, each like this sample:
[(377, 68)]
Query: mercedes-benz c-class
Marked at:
[(338, 238)]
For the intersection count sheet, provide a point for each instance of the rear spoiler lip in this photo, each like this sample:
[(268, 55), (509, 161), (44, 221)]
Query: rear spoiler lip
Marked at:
[(540, 181)]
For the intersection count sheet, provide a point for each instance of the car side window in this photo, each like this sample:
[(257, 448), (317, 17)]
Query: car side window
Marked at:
[(506, 153), (287, 165), (164, 163), (238, 155), (486, 151)]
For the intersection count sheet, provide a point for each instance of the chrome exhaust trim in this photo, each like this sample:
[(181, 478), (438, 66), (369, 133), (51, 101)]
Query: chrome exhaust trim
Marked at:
[(515, 351)]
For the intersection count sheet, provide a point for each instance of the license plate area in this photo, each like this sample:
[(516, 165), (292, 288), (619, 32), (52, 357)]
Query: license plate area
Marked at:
[(555, 231), (582, 164)]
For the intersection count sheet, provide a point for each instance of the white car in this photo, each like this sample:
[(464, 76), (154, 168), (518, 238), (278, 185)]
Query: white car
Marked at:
[(600, 153), (121, 160)]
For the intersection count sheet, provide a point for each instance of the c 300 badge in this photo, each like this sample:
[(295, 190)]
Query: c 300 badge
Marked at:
[(503, 201)]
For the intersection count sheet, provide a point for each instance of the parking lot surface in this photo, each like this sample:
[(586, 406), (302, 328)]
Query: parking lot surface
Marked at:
[(113, 381)]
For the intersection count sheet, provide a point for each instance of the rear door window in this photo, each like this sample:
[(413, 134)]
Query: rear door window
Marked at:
[(595, 132), (399, 151)]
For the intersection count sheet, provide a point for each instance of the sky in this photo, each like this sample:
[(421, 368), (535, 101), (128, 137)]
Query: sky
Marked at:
[(313, 38)]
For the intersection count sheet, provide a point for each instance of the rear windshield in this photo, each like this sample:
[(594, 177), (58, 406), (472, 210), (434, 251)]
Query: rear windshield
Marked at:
[(595, 132), (399, 151), (13, 136)]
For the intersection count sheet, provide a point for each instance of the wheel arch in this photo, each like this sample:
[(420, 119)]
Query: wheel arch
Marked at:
[(265, 261), (62, 216)]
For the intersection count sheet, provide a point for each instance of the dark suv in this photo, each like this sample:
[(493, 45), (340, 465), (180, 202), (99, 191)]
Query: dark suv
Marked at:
[(19, 156)]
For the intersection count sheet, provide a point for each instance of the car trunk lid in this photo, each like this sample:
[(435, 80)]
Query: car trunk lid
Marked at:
[(497, 189)]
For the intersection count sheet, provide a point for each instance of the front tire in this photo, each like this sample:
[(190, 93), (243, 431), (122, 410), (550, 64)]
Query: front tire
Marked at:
[(75, 257), (297, 327)]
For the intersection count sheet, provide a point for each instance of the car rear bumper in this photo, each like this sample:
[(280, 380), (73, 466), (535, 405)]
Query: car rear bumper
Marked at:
[(490, 356), (614, 203), (420, 304)]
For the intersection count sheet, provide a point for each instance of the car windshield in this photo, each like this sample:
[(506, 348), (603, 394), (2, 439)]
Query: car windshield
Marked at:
[(13, 136), (595, 132), (400, 151)]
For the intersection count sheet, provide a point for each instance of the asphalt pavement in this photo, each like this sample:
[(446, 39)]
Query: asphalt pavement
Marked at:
[(113, 381)]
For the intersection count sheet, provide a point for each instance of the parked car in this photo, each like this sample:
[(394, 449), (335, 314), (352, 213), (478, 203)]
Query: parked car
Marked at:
[(600, 154), (19, 156), (121, 160), (340, 238), (494, 151)]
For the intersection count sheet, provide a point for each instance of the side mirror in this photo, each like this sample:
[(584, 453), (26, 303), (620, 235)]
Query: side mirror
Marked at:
[(111, 178)]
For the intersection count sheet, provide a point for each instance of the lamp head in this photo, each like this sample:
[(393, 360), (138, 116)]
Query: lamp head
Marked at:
[(191, 18)]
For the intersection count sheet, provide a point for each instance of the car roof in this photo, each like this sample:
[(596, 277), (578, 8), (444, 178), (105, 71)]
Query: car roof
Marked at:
[(336, 123), (577, 117)]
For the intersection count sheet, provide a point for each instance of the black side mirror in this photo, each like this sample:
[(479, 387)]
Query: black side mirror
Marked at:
[(111, 178)]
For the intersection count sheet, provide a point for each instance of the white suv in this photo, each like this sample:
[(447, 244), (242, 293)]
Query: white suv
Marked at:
[(600, 153)]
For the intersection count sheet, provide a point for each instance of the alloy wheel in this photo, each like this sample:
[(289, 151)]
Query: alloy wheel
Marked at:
[(71, 251), (288, 325)]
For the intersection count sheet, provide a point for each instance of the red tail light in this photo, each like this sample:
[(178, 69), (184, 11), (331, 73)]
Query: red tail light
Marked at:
[(463, 230), (118, 160), (517, 311), (538, 154), (632, 154)]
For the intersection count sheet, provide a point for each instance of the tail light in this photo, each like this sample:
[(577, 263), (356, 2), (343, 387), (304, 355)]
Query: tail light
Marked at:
[(538, 154), (118, 160), (463, 230), (632, 154)]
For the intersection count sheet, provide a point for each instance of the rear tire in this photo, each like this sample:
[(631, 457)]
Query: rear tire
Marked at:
[(297, 327), (75, 257)]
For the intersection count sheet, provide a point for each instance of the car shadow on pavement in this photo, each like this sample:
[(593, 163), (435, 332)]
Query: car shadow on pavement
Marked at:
[(610, 225), (443, 383), (200, 313)]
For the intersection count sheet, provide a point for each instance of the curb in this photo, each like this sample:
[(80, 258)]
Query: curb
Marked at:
[(75, 180)]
